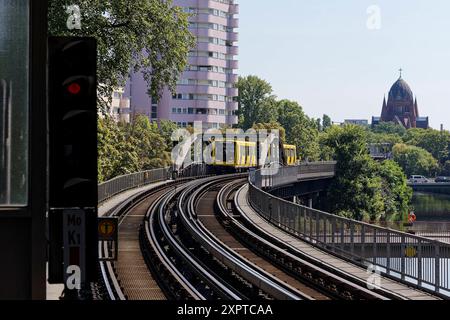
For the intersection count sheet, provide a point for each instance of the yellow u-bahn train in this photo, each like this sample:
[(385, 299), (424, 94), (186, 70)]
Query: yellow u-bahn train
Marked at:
[(244, 154)]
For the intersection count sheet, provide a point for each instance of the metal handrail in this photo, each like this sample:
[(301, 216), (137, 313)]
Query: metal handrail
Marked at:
[(412, 259), (123, 183), (273, 177)]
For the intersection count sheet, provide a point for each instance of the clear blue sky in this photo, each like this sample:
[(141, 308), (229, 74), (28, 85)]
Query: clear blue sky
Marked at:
[(322, 54)]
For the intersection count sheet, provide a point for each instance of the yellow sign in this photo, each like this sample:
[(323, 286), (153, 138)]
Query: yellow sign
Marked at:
[(108, 233), (106, 228), (410, 252)]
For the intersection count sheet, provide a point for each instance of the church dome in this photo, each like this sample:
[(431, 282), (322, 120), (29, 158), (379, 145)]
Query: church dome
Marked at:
[(401, 91)]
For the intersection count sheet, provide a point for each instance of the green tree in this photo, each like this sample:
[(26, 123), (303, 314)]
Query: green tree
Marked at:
[(391, 138), (256, 102), (167, 128), (352, 192), (267, 111), (326, 152), (319, 126), (445, 171), (364, 189), (150, 144), (108, 135), (271, 126), (434, 141), (347, 142), (258, 108), (306, 139), (127, 148), (395, 192), (147, 35), (289, 115), (390, 128), (129, 161), (117, 153), (415, 160), (326, 122), (300, 129)]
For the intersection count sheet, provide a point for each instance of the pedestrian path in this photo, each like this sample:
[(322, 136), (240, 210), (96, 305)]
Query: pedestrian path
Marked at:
[(359, 274)]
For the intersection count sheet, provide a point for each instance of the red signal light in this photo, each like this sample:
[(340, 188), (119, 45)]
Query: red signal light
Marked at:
[(74, 88)]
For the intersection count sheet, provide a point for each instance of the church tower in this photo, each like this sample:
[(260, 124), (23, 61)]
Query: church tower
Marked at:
[(402, 107)]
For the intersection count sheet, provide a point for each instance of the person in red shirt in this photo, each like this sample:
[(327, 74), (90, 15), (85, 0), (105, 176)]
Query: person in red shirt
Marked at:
[(412, 217)]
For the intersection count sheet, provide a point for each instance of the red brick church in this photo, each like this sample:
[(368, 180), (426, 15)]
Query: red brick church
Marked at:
[(401, 107)]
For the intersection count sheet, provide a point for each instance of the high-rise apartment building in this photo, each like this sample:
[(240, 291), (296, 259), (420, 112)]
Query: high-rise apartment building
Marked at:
[(119, 106), (206, 90)]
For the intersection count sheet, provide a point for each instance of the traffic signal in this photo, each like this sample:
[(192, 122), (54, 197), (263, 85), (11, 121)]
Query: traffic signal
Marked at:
[(72, 98), (72, 119)]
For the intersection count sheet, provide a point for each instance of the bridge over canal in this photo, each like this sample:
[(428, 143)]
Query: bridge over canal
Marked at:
[(414, 260)]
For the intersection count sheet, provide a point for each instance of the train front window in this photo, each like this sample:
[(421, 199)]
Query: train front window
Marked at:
[(242, 154), (253, 155), (229, 153), (14, 39), (218, 151)]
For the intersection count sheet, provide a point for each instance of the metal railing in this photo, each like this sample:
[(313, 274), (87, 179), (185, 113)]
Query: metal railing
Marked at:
[(123, 183), (411, 259), (196, 169), (126, 182), (432, 230), (273, 177)]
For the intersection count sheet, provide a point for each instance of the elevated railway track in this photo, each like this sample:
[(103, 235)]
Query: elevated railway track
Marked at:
[(188, 240)]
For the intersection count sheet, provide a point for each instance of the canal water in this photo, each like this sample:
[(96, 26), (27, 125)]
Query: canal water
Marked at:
[(433, 216), (433, 221), (430, 207)]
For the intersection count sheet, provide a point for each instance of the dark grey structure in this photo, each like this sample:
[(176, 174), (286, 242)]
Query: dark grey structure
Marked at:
[(23, 148)]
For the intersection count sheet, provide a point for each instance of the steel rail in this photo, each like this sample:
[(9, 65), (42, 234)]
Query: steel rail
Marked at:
[(251, 273), (151, 222), (107, 270), (268, 246), (331, 273), (195, 266)]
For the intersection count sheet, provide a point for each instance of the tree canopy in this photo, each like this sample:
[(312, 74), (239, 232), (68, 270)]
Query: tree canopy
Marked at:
[(147, 35), (256, 102), (128, 148), (364, 189), (435, 142), (259, 108), (415, 160), (269, 126), (326, 122), (390, 128)]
